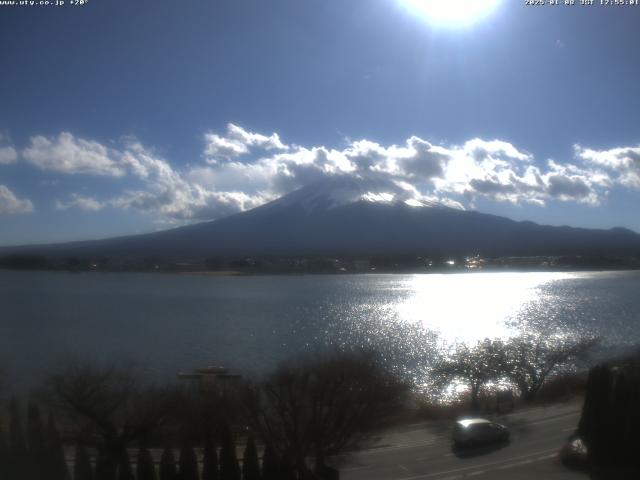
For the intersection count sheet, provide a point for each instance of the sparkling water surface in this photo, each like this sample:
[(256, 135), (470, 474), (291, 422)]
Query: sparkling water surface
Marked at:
[(168, 323)]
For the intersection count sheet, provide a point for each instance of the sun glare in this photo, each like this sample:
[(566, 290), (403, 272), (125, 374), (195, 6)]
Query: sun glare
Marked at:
[(470, 307), (451, 12)]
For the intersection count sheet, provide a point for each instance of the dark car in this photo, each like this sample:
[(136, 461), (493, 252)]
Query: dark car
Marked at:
[(478, 431)]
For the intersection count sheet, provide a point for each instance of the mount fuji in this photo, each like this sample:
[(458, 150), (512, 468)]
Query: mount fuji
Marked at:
[(343, 216)]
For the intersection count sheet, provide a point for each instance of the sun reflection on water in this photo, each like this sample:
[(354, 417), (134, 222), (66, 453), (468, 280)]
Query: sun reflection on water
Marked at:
[(468, 308)]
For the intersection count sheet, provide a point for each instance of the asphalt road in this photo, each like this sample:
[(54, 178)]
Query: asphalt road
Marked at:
[(424, 451)]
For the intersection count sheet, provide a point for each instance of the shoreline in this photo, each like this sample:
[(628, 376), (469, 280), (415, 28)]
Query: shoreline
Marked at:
[(205, 273), (239, 273)]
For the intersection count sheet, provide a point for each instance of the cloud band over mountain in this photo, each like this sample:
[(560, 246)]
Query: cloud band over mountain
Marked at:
[(239, 170)]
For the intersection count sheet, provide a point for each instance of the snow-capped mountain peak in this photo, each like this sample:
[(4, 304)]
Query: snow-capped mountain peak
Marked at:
[(338, 191)]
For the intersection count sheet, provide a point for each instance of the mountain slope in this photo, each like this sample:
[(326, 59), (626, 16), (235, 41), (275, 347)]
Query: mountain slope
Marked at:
[(336, 218)]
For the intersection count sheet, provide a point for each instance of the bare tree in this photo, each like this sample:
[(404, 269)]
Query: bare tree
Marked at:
[(321, 407), (532, 358), (202, 412), (107, 407), (475, 366)]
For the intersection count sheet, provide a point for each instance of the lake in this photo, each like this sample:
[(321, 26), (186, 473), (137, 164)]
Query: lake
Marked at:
[(169, 323)]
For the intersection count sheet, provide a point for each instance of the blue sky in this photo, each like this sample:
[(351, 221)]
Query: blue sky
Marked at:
[(123, 117)]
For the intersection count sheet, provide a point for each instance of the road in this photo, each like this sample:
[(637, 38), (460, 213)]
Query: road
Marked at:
[(424, 451)]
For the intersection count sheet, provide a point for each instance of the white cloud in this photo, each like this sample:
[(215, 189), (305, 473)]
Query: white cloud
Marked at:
[(243, 169), (622, 162), (417, 159), (80, 202), (8, 155), (10, 204), (495, 150), (499, 171), (221, 147), (238, 142), (170, 193), (423, 160), (417, 173), (162, 190), (70, 155)]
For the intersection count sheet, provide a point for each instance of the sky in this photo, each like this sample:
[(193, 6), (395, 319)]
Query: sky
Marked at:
[(122, 117)]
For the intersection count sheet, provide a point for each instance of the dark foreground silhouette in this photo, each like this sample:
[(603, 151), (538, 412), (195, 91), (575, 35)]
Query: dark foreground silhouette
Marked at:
[(610, 420)]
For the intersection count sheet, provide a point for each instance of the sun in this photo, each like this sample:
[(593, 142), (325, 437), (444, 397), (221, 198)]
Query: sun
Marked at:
[(451, 12)]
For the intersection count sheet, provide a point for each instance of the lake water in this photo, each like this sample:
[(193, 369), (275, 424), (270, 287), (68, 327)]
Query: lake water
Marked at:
[(167, 323)]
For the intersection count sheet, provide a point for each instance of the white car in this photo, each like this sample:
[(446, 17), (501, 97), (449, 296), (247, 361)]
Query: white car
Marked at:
[(477, 431)]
